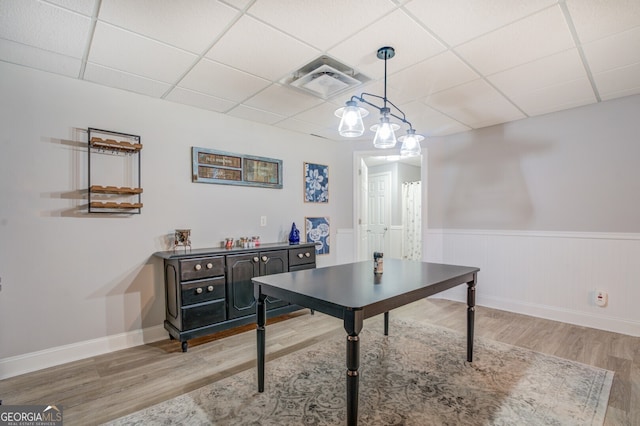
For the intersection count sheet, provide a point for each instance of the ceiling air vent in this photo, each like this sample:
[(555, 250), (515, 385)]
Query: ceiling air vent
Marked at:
[(325, 78)]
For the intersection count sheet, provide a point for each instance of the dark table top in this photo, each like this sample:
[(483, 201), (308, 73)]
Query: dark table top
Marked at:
[(354, 286)]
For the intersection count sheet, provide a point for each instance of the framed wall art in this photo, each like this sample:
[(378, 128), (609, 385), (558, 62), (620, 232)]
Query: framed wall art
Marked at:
[(226, 168), (317, 231), (316, 183)]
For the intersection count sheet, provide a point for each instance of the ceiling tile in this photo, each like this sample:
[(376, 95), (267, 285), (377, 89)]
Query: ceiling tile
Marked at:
[(321, 115), (551, 70), (282, 100), (594, 19), (619, 82), (411, 42), (429, 122), (249, 46), (433, 75), (44, 26), (86, 7), (123, 80), (475, 104), (537, 36), (43, 60), (457, 21), (569, 94), (192, 25), (321, 23), (199, 100), (238, 4), (222, 81), (122, 50), (252, 114), (612, 52)]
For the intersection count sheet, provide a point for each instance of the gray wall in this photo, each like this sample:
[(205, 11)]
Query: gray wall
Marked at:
[(69, 277), (575, 170)]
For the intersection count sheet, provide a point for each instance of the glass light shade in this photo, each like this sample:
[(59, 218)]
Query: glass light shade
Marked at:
[(410, 143), (351, 125), (385, 133)]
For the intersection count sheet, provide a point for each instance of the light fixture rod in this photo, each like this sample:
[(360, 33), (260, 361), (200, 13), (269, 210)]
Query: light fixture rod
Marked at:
[(361, 99), (387, 52)]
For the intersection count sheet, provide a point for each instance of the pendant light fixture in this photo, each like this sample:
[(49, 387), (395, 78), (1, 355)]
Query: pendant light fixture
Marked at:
[(351, 115)]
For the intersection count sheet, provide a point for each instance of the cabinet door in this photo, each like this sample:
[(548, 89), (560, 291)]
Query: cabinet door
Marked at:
[(240, 269), (274, 262)]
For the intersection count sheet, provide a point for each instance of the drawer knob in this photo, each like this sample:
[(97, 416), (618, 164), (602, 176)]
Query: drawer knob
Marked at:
[(300, 255), (198, 267), (307, 254), (210, 288), (198, 290), (265, 258), (209, 265), (256, 260)]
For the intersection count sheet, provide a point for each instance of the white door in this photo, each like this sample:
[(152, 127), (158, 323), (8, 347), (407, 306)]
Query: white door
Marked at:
[(379, 212), (363, 220)]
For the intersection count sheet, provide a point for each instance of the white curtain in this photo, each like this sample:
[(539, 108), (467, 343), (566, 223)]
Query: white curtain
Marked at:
[(412, 220)]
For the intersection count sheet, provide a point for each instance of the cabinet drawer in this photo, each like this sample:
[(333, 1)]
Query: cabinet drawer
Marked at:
[(202, 291), (302, 267), (204, 267), (301, 256), (203, 314)]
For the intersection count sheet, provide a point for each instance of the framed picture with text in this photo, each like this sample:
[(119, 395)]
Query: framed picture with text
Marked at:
[(227, 168)]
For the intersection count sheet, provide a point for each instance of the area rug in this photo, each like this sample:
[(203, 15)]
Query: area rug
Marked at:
[(418, 375)]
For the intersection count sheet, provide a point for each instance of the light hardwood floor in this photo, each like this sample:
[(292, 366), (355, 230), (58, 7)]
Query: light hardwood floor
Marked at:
[(95, 390)]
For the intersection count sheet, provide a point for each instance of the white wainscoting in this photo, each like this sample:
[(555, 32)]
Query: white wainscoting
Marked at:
[(395, 240), (345, 246), (552, 275)]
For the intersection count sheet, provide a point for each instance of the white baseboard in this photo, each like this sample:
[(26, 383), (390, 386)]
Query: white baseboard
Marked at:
[(616, 325), (26, 363)]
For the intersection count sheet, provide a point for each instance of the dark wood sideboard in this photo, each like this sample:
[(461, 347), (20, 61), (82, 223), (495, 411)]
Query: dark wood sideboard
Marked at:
[(210, 290)]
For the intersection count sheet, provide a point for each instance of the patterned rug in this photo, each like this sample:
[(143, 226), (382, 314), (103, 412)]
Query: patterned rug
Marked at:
[(416, 376)]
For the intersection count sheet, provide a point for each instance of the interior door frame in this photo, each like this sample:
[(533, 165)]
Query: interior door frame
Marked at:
[(359, 156)]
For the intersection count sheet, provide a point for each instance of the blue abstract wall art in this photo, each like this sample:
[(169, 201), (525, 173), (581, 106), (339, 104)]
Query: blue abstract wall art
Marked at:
[(317, 231), (316, 183)]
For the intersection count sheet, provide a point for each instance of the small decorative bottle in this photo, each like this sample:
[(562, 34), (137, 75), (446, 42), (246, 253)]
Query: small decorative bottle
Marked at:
[(294, 235), (378, 264)]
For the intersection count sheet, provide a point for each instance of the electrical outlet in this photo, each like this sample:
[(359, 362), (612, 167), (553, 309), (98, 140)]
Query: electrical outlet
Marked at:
[(601, 298), (263, 221)]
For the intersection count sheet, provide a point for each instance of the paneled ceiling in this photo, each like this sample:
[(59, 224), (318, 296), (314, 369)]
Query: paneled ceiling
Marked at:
[(459, 64)]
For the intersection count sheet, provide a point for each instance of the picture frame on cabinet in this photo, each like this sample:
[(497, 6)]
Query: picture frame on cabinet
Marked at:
[(318, 231), (316, 183)]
